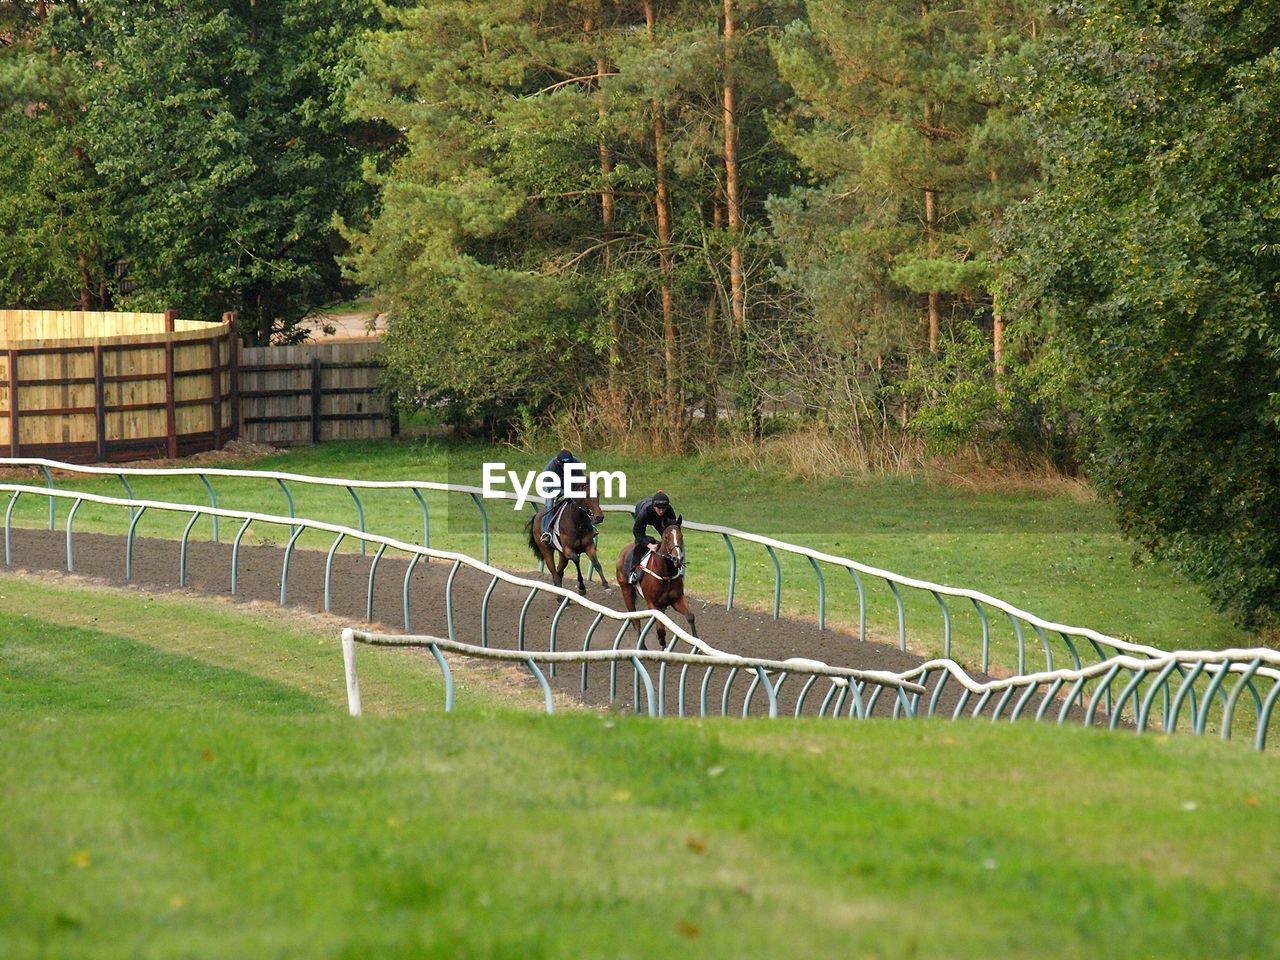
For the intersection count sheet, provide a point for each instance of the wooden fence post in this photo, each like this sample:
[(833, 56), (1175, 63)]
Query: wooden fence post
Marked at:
[(169, 317), (170, 411), (14, 446), (233, 360), (316, 368), (99, 404), (215, 397)]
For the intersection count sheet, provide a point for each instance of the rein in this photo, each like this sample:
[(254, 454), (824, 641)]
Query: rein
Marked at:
[(667, 557)]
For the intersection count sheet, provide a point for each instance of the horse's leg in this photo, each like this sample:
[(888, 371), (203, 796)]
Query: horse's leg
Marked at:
[(682, 606), (595, 563), (559, 574), (577, 564)]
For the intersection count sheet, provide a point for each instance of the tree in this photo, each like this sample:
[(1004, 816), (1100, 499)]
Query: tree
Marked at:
[(1151, 253), (212, 142), (899, 119), (577, 148)]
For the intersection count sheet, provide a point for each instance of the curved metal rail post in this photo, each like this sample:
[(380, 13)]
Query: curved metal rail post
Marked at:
[(724, 694), (182, 550), (1023, 701), (284, 570), (1104, 685), (71, 515), (804, 692), (1161, 682), (127, 489), (48, 479), (1228, 712), (702, 693), (1130, 690), (8, 528), (986, 635), (128, 543), (542, 682), (1022, 645), (448, 678), (524, 610), (235, 553), (862, 605), (586, 645), (413, 562), (555, 626), (287, 495), (733, 570), (1185, 688), (1048, 698), (1000, 704), (822, 595), (1214, 685), (770, 691), (943, 677), (448, 598), (484, 612), (359, 516), (650, 698), (1264, 716), (946, 624), (635, 680), (373, 570), (426, 517), (484, 524), (1044, 639), (328, 569), (213, 502), (613, 664), (777, 581), (902, 615)]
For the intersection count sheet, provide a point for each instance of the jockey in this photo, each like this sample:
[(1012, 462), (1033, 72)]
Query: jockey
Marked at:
[(555, 466), (656, 512)]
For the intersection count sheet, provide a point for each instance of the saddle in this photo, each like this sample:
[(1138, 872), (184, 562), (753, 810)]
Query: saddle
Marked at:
[(645, 561)]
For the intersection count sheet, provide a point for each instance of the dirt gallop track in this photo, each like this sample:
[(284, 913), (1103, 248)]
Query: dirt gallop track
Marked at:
[(746, 633)]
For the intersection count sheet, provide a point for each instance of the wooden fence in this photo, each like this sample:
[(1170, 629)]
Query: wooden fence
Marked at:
[(313, 392), (112, 386)]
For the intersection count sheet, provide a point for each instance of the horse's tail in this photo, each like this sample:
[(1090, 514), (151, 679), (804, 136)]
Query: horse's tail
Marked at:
[(533, 539)]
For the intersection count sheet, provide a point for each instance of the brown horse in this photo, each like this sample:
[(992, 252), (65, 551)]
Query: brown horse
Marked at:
[(575, 530), (662, 582)]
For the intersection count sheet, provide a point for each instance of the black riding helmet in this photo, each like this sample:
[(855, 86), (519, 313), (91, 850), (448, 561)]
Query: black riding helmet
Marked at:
[(660, 499), (564, 455)]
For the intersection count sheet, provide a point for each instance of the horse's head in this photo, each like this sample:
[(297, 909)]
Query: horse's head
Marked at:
[(672, 546), (591, 507)]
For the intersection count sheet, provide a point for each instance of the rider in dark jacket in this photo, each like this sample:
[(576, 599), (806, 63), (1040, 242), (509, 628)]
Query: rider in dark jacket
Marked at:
[(656, 512), (555, 466)]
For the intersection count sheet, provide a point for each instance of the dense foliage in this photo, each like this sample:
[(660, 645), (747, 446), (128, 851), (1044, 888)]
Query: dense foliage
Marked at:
[(198, 150), (1028, 231), (1153, 249)]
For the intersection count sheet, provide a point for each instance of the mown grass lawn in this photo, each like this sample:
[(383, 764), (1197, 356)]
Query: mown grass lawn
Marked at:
[(181, 779), (1057, 555)]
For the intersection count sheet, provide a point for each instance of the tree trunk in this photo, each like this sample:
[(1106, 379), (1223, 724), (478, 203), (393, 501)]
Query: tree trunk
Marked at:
[(737, 295), (607, 217), (931, 230), (997, 340), (86, 283), (662, 205)]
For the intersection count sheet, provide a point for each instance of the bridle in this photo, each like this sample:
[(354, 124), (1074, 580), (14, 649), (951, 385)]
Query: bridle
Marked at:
[(676, 559)]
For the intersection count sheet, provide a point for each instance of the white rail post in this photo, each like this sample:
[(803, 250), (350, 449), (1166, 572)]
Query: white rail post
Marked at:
[(349, 661)]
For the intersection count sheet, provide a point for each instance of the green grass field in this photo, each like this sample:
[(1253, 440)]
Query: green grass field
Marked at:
[(1057, 555), (181, 779)]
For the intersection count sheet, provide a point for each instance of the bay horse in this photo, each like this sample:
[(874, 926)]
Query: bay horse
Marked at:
[(574, 528), (662, 582)]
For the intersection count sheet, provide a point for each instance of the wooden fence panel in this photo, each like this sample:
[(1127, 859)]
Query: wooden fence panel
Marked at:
[(299, 394)]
